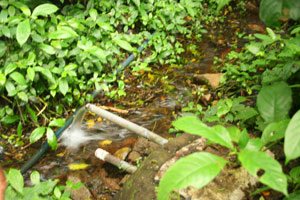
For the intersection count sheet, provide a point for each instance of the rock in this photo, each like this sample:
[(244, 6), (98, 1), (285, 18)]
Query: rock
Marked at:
[(83, 192), (212, 79), (133, 156)]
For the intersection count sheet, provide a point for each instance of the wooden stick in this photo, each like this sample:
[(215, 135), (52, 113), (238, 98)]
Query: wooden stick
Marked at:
[(127, 124), (104, 155)]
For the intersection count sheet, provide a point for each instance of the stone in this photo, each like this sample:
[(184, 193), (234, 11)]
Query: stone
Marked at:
[(212, 79), (81, 193), (133, 156)]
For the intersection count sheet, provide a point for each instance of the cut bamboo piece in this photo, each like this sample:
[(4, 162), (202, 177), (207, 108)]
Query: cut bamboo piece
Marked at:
[(104, 155), (127, 124)]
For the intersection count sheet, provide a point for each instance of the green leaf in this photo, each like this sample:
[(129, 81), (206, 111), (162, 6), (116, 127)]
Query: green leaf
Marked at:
[(137, 3), (44, 10), (273, 176), (93, 13), (35, 177), (221, 4), (271, 33), (274, 131), (192, 125), (234, 133), (57, 122), (270, 12), (37, 134), (23, 31), (23, 7), (63, 86), (292, 138), (30, 73), (2, 79), (47, 48), (244, 139), (51, 138), (16, 180), (124, 44), (19, 130), (31, 113), (254, 144), (10, 88), (98, 52), (10, 68), (197, 170), (105, 26), (23, 96), (254, 47), (274, 102), (9, 119), (18, 77), (63, 32)]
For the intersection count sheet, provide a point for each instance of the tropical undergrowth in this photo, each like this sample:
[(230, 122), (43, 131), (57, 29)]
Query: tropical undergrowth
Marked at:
[(266, 73), (53, 56)]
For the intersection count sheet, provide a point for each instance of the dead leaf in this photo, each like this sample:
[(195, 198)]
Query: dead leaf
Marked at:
[(122, 153), (105, 142), (78, 166)]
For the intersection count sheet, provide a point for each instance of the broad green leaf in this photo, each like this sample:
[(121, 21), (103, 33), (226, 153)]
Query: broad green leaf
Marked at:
[(292, 138), (246, 113), (93, 13), (31, 113), (23, 7), (10, 68), (47, 48), (11, 10), (254, 144), (35, 177), (192, 125), (98, 52), (63, 86), (46, 72), (274, 131), (23, 31), (18, 77), (244, 139), (44, 10), (124, 44), (16, 180), (2, 79), (51, 138), (37, 134), (293, 196), (274, 102), (10, 88), (254, 47), (270, 12), (63, 32), (106, 26), (196, 170), (57, 122), (234, 133), (30, 73), (46, 187), (273, 176), (9, 119), (23, 96)]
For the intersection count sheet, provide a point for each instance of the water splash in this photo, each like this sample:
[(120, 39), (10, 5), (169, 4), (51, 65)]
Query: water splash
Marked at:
[(78, 133)]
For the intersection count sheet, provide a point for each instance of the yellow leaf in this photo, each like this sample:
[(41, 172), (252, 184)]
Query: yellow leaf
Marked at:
[(90, 123), (151, 77), (61, 154), (77, 166), (99, 119), (105, 142)]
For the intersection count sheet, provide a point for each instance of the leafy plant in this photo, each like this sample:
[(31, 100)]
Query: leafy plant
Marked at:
[(40, 190), (250, 152)]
